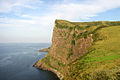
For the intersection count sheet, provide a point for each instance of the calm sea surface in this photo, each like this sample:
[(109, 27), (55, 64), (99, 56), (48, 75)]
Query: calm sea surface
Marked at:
[(17, 59)]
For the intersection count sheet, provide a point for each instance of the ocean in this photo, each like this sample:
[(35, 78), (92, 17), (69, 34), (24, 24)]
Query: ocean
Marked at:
[(17, 59)]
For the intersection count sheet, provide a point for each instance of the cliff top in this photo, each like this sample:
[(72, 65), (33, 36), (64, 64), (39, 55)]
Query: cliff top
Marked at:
[(84, 50)]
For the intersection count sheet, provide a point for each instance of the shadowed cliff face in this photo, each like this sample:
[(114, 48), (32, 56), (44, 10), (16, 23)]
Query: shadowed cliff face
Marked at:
[(67, 42), (71, 42)]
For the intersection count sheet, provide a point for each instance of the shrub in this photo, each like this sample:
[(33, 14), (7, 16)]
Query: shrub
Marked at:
[(85, 34), (74, 35), (88, 26), (79, 36), (73, 42), (82, 35), (70, 53), (70, 28)]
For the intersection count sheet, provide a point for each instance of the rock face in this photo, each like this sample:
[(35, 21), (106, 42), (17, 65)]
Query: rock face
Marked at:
[(45, 50), (70, 42), (42, 67)]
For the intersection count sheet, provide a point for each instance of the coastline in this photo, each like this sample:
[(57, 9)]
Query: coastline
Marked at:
[(41, 67), (44, 49), (80, 51)]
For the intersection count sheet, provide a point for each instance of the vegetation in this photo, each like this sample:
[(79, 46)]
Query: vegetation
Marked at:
[(76, 60), (61, 26), (70, 53), (74, 35), (101, 61), (73, 42), (70, 28), (80, 27), (50, 61)]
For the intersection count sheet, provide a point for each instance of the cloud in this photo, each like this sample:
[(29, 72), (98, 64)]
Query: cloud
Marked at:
[(86, 10), (66, 10), (5, 22), (42, 14), (13, 5), (76, 11)]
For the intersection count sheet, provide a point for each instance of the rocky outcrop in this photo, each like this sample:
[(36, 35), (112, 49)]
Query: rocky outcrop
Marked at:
[(70, 42), (45, 50), (42, 67)]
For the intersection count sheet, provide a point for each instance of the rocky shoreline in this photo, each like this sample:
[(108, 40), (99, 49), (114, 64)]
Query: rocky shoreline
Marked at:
[(44, 50), (41, 67)]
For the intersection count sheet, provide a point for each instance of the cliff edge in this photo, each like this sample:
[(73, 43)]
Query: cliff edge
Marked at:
[(83, 51)]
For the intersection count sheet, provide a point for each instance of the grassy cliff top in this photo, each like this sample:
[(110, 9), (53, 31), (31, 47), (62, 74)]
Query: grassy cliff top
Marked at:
[(101, 62), (94, 23), (85, 50)]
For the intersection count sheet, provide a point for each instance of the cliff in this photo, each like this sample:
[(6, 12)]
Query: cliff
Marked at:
[(83, 51), (45, 50)]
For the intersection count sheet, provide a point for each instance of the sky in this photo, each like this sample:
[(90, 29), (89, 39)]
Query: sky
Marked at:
[(32, 21)]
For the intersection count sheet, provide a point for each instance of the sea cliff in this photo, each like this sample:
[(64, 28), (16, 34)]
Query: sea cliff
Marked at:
[(78, 47), (44, 50)]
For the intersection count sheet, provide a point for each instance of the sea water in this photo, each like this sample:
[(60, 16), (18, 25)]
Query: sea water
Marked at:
[(17, 60)]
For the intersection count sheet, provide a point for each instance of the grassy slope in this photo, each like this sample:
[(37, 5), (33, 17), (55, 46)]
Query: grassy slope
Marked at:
[(102, 62)]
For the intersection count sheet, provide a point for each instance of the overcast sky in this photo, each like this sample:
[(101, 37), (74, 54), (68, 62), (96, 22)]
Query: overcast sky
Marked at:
[(32, 21)]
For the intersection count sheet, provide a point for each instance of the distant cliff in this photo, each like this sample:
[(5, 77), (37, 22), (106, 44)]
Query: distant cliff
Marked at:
[(45, 50), (84, 51)]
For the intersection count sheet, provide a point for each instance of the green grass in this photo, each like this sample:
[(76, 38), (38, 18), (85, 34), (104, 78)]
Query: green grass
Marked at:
[(102, 60), (80, 27), (102, 57), (61, 26), (51, 61), (47, 62)]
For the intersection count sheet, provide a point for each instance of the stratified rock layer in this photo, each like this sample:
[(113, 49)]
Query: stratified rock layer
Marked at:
[(72, 51)]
